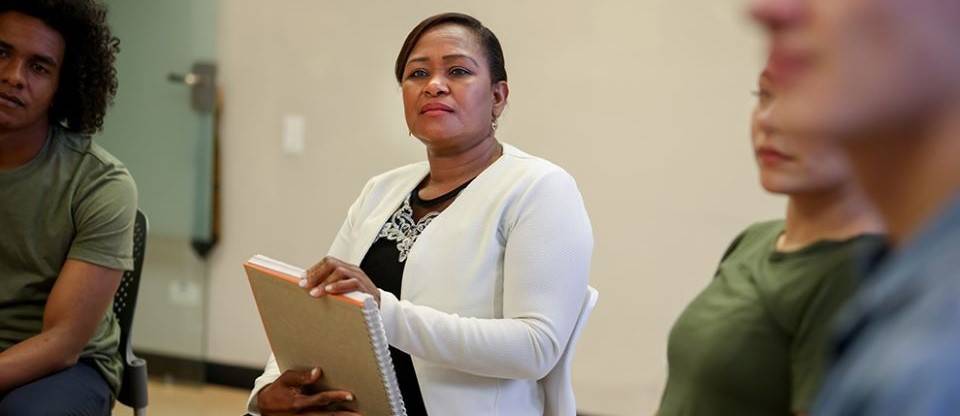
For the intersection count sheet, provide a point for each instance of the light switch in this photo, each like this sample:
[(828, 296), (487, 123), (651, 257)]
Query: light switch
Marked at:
[(293, 135)]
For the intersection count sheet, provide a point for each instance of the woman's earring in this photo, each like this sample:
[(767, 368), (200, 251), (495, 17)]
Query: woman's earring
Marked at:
[(494, 124)]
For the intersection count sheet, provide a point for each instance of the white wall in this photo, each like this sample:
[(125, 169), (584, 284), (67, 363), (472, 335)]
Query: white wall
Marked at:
[(644, 102)]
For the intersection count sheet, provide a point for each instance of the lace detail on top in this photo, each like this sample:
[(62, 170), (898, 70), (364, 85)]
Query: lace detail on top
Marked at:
[(402, 228)]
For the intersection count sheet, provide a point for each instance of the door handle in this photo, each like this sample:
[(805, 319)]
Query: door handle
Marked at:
[(202, 80), (190, 79)]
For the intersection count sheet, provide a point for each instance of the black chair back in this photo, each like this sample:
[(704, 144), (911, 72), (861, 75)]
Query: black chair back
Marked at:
[(133, 392)]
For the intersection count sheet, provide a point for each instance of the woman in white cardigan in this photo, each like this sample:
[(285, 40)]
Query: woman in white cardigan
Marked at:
[(478, 257)]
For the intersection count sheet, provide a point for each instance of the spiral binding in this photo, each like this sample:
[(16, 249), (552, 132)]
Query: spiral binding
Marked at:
[(378, 337)]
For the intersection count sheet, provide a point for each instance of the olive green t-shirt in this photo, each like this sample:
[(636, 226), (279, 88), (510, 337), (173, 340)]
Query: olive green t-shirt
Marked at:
[(754, 341), (72, 201)]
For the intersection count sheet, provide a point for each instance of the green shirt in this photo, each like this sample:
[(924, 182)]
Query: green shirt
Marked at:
[(754, 341), (72, 201)]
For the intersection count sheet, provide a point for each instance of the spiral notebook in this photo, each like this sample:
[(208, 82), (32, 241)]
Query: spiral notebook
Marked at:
[(342, 334)]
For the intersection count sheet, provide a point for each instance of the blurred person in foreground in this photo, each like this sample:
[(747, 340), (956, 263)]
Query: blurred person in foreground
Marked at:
[(883, 78), (753, 341)]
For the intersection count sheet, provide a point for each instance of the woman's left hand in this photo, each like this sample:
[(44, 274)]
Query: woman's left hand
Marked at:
[(334, 276)]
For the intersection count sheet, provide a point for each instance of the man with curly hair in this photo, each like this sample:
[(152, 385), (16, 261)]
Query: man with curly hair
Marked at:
[(67, 210)]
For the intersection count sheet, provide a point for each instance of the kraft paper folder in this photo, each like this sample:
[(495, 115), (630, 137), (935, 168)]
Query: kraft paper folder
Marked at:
[(341, 334)]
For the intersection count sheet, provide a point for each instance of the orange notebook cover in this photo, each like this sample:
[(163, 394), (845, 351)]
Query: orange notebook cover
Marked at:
[(342, 334)]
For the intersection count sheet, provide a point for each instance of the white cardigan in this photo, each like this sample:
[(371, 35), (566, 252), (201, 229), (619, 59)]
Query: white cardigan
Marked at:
[(492, 289)]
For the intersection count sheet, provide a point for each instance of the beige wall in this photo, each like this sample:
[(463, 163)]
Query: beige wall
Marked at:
[(645, 102)]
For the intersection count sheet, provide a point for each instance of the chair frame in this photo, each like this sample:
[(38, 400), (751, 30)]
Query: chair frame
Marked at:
[(133, 391)]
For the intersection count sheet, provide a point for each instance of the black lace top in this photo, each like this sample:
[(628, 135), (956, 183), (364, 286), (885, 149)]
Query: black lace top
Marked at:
[(384, 264)]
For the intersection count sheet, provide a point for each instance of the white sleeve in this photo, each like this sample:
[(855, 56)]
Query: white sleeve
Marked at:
[(545, 271), (270, 373)]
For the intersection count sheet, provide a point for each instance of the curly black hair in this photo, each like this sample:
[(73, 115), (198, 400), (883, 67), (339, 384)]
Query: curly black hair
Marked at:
[(88, 76)]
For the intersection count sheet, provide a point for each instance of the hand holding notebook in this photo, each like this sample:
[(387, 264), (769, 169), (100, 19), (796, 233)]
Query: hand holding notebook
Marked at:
[(295, 392), (341, 334), (335, 276)]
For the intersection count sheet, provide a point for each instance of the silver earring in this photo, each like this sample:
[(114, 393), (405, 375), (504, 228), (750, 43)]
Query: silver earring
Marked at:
[(494, 125)]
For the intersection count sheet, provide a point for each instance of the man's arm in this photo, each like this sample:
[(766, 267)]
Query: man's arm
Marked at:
[(77, 303)]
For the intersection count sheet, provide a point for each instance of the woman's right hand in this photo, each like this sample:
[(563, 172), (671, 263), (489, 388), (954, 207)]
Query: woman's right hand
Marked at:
[(287, 396)]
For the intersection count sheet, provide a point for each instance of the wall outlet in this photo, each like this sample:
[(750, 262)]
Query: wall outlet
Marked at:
[(184, 293)]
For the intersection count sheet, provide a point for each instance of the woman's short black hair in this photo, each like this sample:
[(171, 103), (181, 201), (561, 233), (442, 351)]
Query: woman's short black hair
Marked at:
[(88, 77), (489, 42)]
